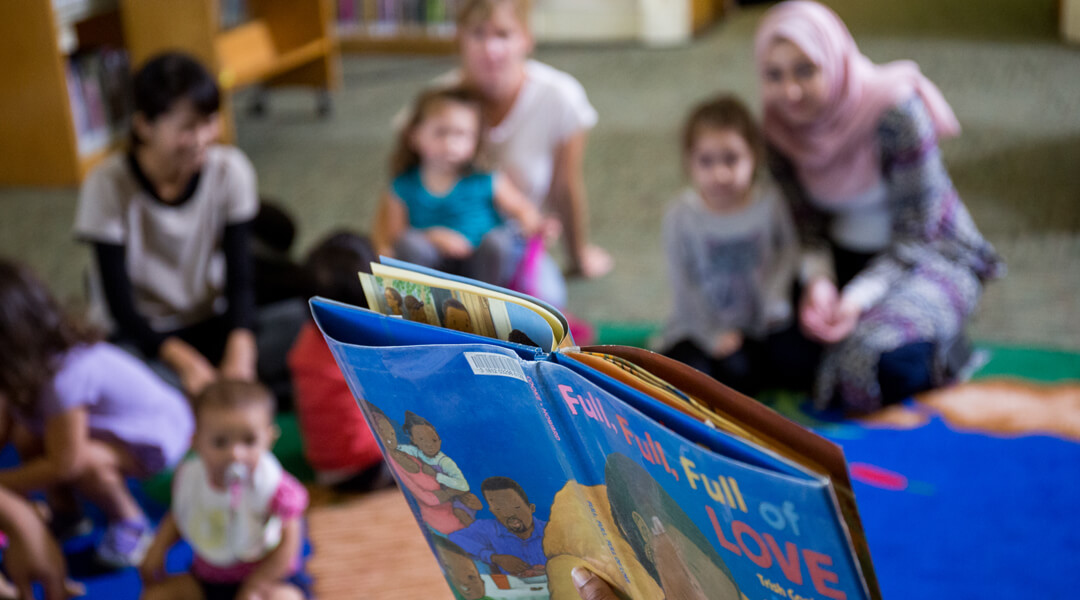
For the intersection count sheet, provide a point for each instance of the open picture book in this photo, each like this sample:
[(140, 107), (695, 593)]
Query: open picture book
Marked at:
[(523, 456)]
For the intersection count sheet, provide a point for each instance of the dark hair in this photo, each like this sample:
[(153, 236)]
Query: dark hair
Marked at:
[(518, 336), (231, 394), (453, 303), (412, 420), (334, 263), (445, 545), (413, 303), (405, 158), (378, 412), (724, 112), (493, 484), (168, 78), (395, 293), (34, 334)]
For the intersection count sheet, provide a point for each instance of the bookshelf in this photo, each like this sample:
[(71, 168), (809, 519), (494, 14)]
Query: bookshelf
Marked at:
[(397, 26), (269, 43), (57, 121), (427, 26), (66, 65)]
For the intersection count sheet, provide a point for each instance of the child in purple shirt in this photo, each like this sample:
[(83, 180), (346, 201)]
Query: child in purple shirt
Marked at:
[(83, 414)]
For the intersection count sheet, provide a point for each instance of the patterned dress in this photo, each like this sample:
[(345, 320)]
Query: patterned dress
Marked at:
[(933, 268)]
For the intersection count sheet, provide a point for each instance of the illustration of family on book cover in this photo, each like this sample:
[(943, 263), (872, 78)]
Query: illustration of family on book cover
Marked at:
[(523, 456)]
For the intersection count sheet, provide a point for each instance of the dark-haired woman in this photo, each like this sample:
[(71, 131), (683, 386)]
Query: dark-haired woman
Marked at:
[(169, 221)]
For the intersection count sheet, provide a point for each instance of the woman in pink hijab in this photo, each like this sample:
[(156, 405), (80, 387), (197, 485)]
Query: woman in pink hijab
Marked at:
[(893, 264)]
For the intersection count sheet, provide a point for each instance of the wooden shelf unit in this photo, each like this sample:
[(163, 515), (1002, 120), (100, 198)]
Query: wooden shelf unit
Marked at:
[(356, 40), (39, 144), (286, 42)]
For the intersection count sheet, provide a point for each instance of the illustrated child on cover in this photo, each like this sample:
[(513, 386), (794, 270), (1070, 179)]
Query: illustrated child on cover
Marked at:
[(234, 504), (84, 416), (443, 210), (425, 492), (731, 249), (460, 570), (512, 542), (337, 440), (427, 446)]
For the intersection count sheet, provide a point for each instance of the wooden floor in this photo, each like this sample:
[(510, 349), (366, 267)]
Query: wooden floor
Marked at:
[(370, 547)]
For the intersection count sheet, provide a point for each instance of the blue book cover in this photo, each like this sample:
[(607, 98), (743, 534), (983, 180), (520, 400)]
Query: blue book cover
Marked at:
[(521, 464)]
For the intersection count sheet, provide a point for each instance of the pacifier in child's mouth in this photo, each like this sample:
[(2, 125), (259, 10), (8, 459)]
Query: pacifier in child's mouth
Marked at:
[(236, 476), (236, 482)]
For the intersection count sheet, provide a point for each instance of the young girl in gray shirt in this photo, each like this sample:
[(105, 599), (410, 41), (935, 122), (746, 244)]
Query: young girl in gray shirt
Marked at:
[(731, 250)]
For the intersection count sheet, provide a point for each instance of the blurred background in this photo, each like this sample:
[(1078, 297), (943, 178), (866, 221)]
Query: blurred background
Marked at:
[(312, 86)]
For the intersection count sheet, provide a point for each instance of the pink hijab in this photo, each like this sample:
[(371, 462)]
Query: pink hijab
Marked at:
[(837, 156)]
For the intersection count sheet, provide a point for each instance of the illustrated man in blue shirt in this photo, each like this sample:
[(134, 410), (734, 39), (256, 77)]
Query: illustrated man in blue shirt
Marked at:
[(512, 542)]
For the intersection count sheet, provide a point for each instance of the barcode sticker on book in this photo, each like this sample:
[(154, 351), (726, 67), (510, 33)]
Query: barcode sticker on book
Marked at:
[(484, 363)]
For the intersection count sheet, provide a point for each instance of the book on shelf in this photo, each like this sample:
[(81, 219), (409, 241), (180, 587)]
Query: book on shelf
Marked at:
[(68, 12), (523, 456), (99, 91), (389, 18), (233, 13)]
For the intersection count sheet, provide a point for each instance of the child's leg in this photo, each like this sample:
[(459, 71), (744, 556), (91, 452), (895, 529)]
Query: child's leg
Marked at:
[(414, 247), (102, 480), (178, 587)]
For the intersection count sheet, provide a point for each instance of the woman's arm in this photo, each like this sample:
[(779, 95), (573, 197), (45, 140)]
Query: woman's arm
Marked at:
[(241, 355), (919, 189), (120, 298), (512, 203), (569, 198), (66, 436), (391, 220), (194, 370)]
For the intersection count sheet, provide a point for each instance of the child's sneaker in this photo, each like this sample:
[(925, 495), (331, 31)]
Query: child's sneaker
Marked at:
[(70, 525), (125, 543)]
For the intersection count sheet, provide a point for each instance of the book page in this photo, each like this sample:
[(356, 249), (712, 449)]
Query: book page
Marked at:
[(430, 280), (457, 309)]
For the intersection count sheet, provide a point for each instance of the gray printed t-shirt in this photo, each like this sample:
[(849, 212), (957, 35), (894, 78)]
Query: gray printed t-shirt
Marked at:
[(174, 252), (728, 272)]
